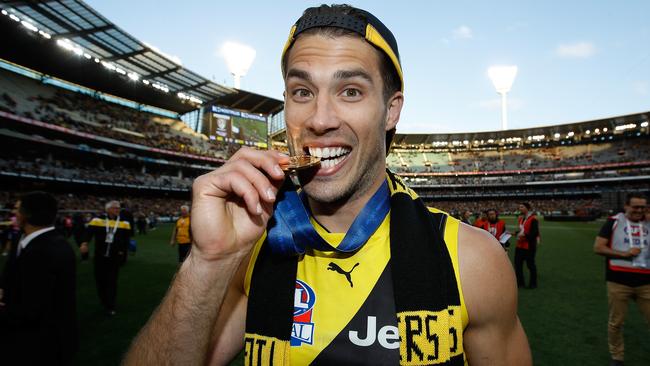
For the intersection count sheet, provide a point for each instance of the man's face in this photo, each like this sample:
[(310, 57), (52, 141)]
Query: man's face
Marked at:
[(334, 105), (635, 211), (113, 211), (184, 212), (523, 209), (467, 215), (492, 216)]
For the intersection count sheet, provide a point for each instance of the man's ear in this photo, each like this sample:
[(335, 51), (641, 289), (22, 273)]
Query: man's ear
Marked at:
[(395, 104)]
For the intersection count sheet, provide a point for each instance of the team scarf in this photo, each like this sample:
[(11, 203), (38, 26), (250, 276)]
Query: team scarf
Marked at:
[(424, 284)]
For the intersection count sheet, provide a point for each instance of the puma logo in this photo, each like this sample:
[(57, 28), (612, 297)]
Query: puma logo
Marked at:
[(348, 274)]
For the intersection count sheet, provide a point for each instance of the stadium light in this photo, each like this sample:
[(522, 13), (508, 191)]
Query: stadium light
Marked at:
[(239, 59), (502, 78)]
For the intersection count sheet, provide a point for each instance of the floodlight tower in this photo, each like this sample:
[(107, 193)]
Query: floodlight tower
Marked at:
[(502, 78), (239, 58)]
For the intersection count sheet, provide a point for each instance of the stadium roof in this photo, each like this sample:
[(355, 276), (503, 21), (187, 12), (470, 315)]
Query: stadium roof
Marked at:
[(76, 27)]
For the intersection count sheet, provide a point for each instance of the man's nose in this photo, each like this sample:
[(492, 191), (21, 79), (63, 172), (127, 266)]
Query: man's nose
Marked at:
[(324, 117)]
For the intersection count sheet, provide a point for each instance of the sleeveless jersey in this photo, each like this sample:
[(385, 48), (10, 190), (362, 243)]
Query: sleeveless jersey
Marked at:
[(364, 330)]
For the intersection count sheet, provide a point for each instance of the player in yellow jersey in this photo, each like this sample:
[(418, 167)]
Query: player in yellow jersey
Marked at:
[(350, 269), (181, 234)]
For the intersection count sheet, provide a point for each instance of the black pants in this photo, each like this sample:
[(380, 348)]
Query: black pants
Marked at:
[(528, 256), (183, 251), (106, 271)]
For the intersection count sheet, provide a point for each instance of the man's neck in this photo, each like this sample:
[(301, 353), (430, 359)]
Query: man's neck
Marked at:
[(111, 217), (338, 217), (28, 229)]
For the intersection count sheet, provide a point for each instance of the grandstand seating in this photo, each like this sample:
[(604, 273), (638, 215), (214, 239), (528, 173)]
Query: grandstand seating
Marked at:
[(32, 99), (94, 144), (619, 151)]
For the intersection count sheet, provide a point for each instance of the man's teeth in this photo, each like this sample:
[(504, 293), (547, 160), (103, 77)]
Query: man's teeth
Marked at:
[(330, 156), (328, 163), (328, 152)]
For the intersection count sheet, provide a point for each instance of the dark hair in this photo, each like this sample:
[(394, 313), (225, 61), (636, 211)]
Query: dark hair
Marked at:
[(38, 208), (390, 78), (629, 196), (527, 205)]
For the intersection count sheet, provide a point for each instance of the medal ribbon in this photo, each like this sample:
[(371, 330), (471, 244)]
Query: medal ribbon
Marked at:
[(290, 231)]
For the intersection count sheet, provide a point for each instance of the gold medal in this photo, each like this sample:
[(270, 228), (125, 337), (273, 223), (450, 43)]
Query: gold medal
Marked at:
[(300, 162)]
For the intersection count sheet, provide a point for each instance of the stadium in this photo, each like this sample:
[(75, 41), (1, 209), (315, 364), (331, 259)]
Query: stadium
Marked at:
[(91, 114)]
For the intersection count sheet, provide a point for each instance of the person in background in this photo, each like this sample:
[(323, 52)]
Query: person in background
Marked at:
[(526, 250), (141, 223), (481, 220), (466, 217), (623, 241), (181, 234), (13, 232), (497, 227), (111, 235), (38, 324)]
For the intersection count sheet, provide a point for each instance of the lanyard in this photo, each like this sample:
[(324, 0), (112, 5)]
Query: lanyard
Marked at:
[(291, 232), (110, 234), (117, 222)]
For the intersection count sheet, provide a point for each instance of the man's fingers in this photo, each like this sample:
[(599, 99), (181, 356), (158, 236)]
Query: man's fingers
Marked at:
[(265, 189), (237, 183), (267, 161)]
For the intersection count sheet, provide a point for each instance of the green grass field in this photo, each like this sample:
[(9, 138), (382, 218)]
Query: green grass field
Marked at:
[(565, 318)]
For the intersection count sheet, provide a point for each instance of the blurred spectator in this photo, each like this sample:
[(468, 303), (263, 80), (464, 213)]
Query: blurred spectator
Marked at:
[(182, 235), (111, 234), (624, 240), (527, 237)]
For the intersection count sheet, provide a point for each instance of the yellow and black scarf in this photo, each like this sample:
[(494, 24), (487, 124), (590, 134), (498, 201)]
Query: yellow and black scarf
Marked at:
[(427, 300)]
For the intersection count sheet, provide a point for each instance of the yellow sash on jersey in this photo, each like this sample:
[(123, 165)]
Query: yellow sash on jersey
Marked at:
[(427, 297)]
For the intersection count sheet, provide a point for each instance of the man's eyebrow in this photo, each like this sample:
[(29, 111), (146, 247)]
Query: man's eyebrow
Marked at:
[(300, 74), (349, 74)]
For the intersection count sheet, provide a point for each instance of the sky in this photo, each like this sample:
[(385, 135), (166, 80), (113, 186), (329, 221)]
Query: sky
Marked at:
[(577, 60)]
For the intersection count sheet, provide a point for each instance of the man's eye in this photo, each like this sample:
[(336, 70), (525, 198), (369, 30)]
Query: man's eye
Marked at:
[(302, 93), (351, 92)]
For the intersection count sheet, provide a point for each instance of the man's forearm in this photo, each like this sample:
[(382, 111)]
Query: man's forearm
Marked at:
[(179, 330)]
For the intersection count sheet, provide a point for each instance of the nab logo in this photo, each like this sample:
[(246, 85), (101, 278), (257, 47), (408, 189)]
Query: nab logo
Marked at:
[(303, 305), (636, 230)]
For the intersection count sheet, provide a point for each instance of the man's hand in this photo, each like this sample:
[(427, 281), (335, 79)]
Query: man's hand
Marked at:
[(83, 248), (633, 252), (230, 209), (232, 205)]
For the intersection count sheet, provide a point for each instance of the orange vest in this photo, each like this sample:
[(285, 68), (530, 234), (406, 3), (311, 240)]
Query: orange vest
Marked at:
[(522, 241), (496, 229)]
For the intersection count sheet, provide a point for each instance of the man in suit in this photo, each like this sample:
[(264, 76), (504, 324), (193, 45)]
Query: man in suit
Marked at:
[(38, 323)]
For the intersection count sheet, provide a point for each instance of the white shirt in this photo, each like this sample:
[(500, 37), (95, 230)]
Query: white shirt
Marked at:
[(25, 240)]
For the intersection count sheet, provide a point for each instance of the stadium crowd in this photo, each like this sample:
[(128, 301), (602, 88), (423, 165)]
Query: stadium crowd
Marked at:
[(523, 158), (69, 169), (510, 206), (93, 203), (499, 180), (85, 113)]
